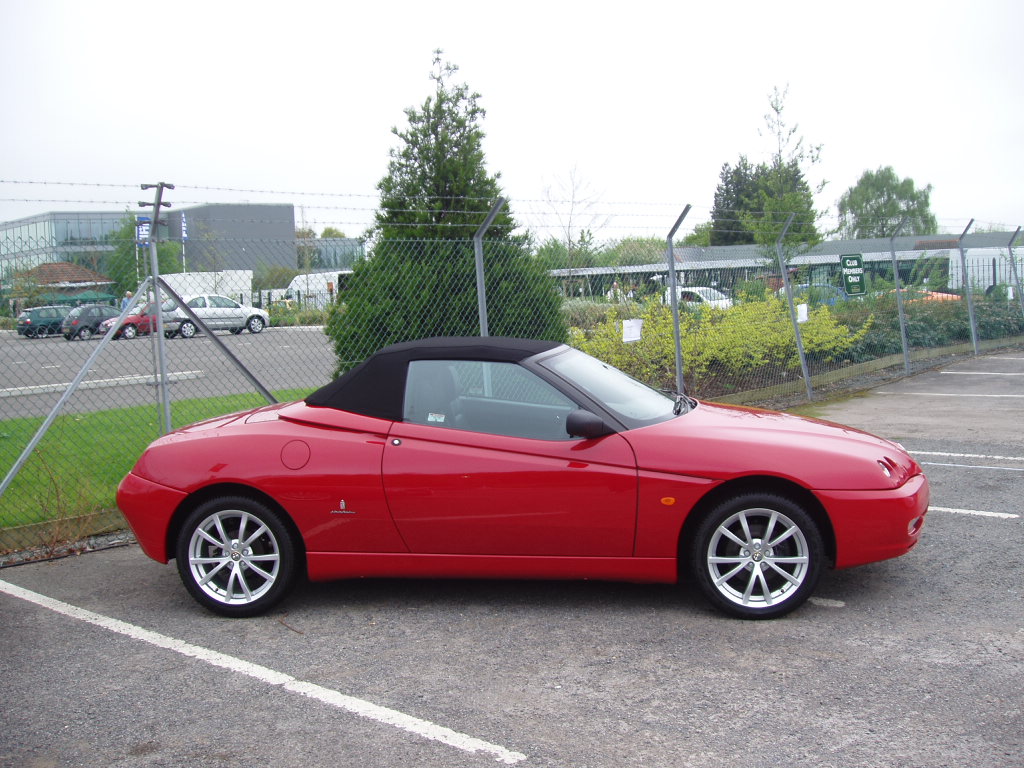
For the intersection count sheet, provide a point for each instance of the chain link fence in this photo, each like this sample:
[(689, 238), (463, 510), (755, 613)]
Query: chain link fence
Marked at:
[(292, 313)]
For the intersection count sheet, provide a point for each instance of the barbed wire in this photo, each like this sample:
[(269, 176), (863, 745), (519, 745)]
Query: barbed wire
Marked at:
[(539, 216)]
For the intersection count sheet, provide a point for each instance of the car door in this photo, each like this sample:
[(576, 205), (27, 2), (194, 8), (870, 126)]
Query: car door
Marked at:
[(482, 464), (227, 312), (200, 306)]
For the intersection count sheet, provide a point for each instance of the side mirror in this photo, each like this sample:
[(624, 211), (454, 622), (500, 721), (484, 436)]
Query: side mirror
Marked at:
[(585, 424)]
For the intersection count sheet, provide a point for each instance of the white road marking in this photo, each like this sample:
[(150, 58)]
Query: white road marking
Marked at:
[(940, 394), (970, 466), (988, 457), (360, 707), (144, 378), (979, 373), (975, 512)]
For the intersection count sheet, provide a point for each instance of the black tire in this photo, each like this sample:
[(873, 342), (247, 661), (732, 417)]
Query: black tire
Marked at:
[(187, 329), (85, 334), (757, 556), (30, 333), (250, 569), (129, 332), (255, 324)]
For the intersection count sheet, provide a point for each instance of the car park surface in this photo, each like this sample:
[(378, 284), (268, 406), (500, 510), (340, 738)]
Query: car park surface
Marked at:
[(915, 661)]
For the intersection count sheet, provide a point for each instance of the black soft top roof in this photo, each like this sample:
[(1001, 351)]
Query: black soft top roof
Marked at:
[(376, 387)]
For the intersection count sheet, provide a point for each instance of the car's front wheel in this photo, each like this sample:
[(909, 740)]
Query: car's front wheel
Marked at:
[(187, 329), (235, 556), (255, 324), (757, 556), (129, 332)]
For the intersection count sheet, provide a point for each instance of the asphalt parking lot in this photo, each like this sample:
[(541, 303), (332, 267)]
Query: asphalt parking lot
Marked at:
[(917, 661)]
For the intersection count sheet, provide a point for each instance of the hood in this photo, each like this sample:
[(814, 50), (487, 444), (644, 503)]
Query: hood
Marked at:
[(721, 442)]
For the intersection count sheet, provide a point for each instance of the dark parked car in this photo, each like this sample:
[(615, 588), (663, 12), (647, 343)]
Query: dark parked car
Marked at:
[(36, 322), (83, 322)]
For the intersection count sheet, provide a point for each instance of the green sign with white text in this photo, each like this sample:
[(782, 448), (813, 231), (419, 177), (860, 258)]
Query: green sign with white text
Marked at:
[(852, 267)]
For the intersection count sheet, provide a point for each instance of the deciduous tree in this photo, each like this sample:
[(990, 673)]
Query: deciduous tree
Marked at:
[(874, 206)]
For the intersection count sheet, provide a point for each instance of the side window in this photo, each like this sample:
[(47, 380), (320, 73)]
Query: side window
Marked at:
[(476, 396), (199, 302), (222, 302)]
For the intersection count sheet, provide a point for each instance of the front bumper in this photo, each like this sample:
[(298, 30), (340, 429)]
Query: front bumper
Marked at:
[(876, 525)]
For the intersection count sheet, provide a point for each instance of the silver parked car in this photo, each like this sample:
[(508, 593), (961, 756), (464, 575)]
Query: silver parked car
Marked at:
[(219, 313)]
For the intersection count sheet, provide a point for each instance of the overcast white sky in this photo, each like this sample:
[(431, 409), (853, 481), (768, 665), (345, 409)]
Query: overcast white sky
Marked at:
[(641, 102)]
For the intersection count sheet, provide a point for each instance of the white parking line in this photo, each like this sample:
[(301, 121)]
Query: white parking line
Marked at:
[(940, 394), (987, 457), (975, 512), (970, 466), (143, 378), (360, 707), (979, 373)]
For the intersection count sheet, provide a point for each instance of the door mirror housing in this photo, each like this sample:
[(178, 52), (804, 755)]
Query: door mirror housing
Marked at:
[(585, 424)]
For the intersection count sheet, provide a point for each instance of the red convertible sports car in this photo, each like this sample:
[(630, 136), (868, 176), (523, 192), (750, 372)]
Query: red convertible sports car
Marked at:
[(513, 458)]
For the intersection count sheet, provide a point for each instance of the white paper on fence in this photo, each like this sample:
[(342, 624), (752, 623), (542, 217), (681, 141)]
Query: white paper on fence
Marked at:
[(631, 329), (801, 313)]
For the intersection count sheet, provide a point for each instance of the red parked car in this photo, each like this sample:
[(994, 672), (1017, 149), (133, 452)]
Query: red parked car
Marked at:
[(512, 458), (141, 322)]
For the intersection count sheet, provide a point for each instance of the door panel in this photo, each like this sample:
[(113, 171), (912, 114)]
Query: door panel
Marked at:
[(458, 492)]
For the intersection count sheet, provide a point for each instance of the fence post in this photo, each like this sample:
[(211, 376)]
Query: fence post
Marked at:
[(904, 341), (792, 309), (478, 251), (154, 266), (967, 287), (674, 301), (1013, 268)]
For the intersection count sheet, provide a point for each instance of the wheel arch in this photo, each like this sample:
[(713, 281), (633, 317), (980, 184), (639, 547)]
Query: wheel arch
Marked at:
[(232, 489), (757, 484)]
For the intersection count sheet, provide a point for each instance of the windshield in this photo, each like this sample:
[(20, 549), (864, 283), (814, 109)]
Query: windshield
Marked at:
[(633, 402)]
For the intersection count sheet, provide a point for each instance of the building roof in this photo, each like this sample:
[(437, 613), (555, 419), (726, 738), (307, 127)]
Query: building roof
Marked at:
[(64, 274)]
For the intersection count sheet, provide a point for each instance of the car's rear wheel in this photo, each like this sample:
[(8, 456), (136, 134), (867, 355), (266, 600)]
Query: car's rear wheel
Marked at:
[(30, 333), (187, 329), (85, 334), (235, 556), (255, 324), (129, 332), (757, 556)]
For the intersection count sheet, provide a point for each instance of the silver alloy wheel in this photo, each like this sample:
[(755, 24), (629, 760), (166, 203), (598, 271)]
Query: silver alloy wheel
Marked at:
[(129, 332), (255, 324), (187, 329), (757, 558), (233, 557), (85, 334)]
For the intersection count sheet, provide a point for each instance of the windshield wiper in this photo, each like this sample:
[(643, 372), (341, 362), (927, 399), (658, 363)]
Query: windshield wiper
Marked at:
[(684, 404)]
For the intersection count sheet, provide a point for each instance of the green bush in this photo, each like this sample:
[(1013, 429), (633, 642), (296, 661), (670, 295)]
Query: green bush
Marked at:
[(721, 348)]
